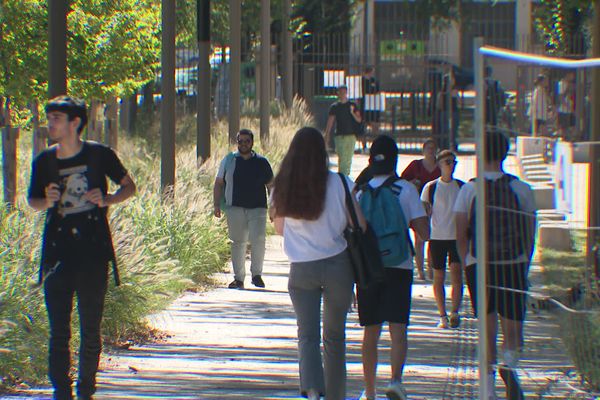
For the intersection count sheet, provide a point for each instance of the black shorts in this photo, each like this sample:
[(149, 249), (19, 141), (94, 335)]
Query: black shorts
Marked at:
[(442, 249), (507, 303), (389, 302)]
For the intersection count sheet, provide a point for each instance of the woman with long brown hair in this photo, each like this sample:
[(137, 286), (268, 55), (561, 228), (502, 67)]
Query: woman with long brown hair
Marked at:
[(309, 210)]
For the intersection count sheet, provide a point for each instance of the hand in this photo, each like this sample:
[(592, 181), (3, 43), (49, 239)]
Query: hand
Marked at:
[(95, 196), (52, 193), (217, 211)]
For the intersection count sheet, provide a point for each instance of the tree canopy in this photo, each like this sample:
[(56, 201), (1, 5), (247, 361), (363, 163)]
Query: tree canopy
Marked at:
[(113, 47)]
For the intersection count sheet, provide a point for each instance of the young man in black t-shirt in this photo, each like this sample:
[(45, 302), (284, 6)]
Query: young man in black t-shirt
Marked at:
[(68, 181), (346, 117)]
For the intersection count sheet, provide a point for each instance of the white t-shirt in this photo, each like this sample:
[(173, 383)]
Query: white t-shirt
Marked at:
[(410, 203), (443, 220), (305, 240), (467, 195)]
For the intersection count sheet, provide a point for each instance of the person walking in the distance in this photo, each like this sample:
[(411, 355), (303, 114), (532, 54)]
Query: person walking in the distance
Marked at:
[(371, 103), (439, 197), (510, 213), (419, 172), (240, 191), (309, 210), (68, 181), (390, 204), (346, 117)]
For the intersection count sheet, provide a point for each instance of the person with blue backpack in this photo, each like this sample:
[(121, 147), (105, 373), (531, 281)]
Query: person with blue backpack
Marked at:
[(439, 197), (391, 206), (510, 234)]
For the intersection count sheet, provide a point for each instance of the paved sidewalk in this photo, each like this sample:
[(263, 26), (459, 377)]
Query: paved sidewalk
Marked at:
[(241, 344)]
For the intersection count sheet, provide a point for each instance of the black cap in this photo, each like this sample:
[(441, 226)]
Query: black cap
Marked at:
[(383, 156)]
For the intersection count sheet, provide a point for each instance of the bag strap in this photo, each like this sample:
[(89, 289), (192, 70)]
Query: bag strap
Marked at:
[(349, 202), (432, 190)]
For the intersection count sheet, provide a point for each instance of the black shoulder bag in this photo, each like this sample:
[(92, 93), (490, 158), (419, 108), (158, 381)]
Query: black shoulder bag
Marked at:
[(363, 248)]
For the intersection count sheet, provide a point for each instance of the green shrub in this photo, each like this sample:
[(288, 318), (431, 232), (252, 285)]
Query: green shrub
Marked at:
[(568, 280)]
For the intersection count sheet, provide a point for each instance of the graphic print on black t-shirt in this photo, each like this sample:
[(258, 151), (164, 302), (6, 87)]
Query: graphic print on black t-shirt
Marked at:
[(73, 186)]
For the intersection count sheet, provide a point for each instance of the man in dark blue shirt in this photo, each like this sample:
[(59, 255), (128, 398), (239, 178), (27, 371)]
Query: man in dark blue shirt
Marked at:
[(241, 190)]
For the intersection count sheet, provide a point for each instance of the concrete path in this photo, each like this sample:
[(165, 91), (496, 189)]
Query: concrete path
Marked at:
[(241, 344)]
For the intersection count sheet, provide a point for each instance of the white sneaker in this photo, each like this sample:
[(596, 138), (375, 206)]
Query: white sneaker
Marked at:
[(363, 396), (443, 324), (396, 391)]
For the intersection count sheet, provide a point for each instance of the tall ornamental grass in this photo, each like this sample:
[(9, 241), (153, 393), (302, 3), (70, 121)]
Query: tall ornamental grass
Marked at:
[(162, 248)]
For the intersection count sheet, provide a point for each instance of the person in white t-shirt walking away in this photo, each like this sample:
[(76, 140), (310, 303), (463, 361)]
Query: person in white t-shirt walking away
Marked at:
[(439, 197), (392, 300), (511, 220)]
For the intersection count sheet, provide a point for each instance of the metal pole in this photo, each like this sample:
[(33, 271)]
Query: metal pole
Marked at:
[(57, 47), (235, 61), (481, 220), (265, 67), (167, 104), (203, 115), (594, 175), (288, 57)]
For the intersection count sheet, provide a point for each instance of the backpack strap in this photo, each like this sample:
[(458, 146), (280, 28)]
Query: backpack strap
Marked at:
[(432, 190), (349, 202), (52, 213)]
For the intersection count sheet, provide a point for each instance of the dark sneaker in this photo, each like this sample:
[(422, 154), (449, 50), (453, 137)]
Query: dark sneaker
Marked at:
[(236, 285), (511, 380), (257, 281), (454, 320)]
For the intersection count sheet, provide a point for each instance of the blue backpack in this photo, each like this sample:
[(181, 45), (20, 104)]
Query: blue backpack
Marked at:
[(384, 213)]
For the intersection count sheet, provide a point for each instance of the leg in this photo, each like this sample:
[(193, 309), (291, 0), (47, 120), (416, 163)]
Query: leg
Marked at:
[(369, 357), (337, 296), (419, 255), (257, 222), (399, 349), (344, 147), (439, 291), (237, 225), (305, 291), (91, 291), (471, 277), (58, 292), (492, 326), (456, 280), (437, 259)]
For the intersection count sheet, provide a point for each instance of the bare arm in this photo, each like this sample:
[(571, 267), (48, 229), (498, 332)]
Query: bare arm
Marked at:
[(462, 239), (51, 196), (362, 221), (421, 227), (328, 128), (217, 194), (126, 190)]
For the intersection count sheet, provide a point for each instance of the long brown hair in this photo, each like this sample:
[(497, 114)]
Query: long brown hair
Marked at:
[(301, 184)]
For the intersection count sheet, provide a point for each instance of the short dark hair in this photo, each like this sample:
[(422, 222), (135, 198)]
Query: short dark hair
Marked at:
[(496, 146), (445, 154), (383, 155), (71, 106), (430, 140), (246, 132)]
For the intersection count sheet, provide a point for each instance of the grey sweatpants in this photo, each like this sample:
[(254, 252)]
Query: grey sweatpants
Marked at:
[(331, 279), (247, 224)]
